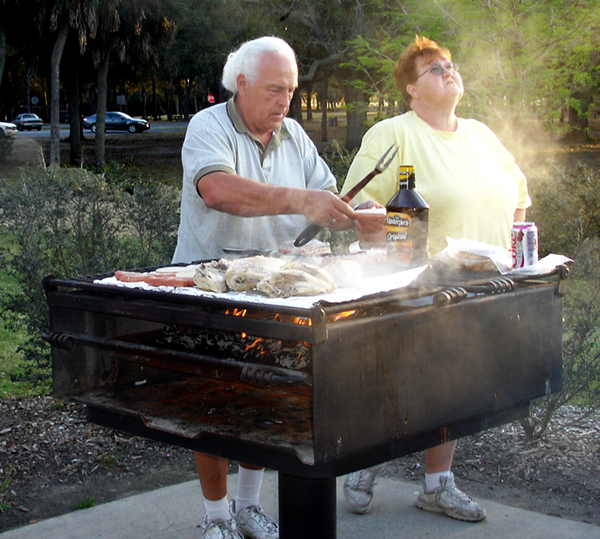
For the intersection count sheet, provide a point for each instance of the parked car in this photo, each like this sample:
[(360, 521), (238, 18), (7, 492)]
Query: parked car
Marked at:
[(7, 129), (28, 121), (117, 121)]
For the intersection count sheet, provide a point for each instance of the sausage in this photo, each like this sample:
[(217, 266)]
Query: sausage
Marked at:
[(130, 276), (154, 278), (168, 279)]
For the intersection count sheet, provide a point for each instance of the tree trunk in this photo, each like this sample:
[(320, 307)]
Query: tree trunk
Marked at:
[(144, 101), (57, 52), (75, 132), (185, 105), (169, 100), (356, 111), (356, 128), (2, 52), (295, 111), (324, 92), (100, 146), (154, 97)]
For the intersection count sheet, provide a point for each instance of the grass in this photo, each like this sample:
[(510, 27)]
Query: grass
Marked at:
[(86, 503)]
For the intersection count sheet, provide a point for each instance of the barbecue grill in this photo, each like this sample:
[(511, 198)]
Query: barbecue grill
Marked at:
[(315, 391)]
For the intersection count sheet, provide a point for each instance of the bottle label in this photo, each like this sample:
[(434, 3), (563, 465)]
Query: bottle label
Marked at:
[(399, 244)]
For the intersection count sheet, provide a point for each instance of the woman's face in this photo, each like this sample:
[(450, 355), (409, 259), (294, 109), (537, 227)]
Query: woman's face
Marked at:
[(438, 84)]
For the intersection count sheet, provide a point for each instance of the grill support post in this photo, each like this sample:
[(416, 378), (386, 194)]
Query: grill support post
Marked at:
[(307, 507)]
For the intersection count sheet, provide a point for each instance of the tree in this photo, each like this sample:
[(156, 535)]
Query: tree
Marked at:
[(132, 32), (334, 33), (525, 55), (79, 16)]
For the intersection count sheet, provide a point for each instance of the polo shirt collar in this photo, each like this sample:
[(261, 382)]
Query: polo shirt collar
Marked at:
[(279, 134)]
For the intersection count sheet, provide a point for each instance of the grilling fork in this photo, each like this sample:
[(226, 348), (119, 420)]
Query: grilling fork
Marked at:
[(313, 229)]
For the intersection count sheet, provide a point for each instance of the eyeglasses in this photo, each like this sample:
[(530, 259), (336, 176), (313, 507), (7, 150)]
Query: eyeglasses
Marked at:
[(438, 70)]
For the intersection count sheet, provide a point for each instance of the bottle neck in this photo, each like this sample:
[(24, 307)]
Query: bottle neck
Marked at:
[(407, 183)]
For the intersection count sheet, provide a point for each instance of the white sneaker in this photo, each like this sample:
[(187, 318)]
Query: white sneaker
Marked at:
[(219, 529), (254, 523), (358, 489), (449, 500)]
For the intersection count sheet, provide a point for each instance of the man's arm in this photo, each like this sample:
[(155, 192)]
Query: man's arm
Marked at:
[(236, 195)]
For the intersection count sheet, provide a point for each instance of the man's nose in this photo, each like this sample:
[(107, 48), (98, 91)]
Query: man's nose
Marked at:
[(286, 98)]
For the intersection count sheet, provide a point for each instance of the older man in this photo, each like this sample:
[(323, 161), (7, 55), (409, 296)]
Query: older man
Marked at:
[(252, 178)]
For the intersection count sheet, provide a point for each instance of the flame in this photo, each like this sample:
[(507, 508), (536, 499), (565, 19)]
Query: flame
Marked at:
[(285, 318), (301, 321), (343, 314)]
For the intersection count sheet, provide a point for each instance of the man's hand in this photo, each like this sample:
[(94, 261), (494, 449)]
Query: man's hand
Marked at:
[(327, 209)]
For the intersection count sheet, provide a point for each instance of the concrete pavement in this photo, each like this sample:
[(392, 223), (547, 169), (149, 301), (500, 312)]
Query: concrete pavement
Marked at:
[(175, 512)]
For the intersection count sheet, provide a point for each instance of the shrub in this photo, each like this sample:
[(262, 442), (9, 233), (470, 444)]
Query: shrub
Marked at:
[(6, 147), (567, 212), (70, 222), (566, 208)]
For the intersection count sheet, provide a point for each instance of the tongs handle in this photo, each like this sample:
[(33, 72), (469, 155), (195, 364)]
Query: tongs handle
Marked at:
[(312, 230), (307, 234)]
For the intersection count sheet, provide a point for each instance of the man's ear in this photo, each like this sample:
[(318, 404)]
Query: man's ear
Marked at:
[(241, 82)]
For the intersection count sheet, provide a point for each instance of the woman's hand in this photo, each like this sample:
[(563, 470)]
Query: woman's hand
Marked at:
[(370, 223)]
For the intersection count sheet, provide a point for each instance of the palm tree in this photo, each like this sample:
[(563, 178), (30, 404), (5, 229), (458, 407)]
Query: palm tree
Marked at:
[(132, 32), (62, 18)]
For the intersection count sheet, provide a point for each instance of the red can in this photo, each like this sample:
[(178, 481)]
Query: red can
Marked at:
[(524, 244)]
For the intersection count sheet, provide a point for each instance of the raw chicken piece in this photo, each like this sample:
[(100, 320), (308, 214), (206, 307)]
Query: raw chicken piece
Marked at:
[(211, 275), (292, 282), (245, 273), (315, 271)]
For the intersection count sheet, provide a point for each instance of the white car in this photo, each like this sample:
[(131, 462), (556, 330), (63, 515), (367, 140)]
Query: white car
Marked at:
[(28, 121), (7, 129)]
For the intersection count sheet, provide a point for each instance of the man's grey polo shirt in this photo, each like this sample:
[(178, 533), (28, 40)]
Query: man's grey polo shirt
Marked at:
[(218, 140)]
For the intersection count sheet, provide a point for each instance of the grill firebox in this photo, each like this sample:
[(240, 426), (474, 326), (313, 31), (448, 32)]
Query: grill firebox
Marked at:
[(358, 383)]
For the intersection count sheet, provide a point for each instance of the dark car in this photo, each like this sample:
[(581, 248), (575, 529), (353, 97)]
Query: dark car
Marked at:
[(117, 121), (28, 121)]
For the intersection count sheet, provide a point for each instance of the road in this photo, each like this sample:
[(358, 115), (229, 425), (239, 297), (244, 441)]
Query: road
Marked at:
[(64, 130)]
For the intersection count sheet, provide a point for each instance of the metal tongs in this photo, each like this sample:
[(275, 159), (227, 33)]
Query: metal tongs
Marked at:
[(313, 229)]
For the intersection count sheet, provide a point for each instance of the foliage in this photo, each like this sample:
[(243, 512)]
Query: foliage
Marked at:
[(372, 55), (8, 474), (6, 147), (339, 160), (71, 222), (520, 59), (522, 55), (581, 344), (86, 503), (567, 213), (566, 209)]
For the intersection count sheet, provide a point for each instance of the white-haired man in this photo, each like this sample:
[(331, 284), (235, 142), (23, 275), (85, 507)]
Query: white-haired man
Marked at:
[(252, 178)]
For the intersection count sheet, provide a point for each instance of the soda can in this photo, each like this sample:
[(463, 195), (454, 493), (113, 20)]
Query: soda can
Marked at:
[(524, 244)]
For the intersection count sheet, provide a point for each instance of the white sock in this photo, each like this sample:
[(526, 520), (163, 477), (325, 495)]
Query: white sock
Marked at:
[(248, 487), (217, 509), (432, 480)]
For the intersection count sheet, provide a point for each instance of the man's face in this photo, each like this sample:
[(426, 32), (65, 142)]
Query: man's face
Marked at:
[(264, 103)]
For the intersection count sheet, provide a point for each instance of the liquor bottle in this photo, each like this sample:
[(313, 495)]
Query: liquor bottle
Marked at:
[(407, 221)]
